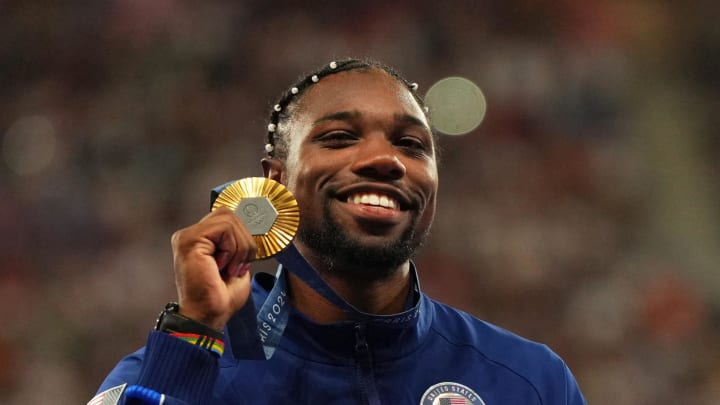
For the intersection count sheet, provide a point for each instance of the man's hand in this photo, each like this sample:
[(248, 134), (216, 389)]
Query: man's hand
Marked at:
[(211, 260)]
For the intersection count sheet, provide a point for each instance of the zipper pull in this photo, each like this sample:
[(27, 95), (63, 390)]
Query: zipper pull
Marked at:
[(361, 346)]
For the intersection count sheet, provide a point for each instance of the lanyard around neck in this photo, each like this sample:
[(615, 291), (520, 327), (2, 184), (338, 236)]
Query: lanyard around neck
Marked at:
[(272, 318)]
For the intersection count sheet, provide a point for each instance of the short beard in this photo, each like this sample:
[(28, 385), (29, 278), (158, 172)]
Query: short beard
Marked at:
[(342, 253)]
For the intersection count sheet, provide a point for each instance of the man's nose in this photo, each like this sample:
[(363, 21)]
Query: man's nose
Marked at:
[(377, 158)]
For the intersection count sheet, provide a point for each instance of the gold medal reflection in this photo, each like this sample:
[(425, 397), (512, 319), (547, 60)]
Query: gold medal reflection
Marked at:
[(282, 206)]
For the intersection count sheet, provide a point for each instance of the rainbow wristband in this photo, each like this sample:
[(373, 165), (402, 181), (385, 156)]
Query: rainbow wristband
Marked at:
[(206, 342)]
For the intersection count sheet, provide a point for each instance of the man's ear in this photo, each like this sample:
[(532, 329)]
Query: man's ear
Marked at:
[(273, 169)]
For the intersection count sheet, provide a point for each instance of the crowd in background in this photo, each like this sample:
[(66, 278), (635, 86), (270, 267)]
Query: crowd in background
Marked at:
[(582, 213)]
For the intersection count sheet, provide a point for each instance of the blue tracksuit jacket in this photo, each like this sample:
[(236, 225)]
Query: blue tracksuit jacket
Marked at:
[(442, 356)]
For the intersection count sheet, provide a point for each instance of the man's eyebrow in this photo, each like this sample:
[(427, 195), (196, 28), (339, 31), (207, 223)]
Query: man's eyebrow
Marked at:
[(349, 115), (338, 116), (410, 119)]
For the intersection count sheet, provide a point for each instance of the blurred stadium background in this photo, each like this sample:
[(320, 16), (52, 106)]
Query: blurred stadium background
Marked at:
[(582, 213)]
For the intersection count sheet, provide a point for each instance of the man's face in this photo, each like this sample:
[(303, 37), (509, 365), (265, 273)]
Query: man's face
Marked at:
[(361, 164)]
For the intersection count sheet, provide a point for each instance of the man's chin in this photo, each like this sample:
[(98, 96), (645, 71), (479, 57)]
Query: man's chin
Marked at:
[(345, 245), (370, 257)]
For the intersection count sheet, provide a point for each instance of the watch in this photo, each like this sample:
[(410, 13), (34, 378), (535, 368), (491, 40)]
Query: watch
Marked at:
[(171, 321)]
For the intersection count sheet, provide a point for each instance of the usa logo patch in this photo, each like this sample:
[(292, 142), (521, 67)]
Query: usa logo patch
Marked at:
[(450, 393)]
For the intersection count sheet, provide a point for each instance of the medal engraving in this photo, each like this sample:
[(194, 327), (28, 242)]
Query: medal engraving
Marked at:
[(268, 210), (257, 213)]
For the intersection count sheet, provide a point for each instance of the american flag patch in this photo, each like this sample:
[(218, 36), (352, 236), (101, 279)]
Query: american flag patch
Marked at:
[(453, 401), (110, 396), (450, 393)]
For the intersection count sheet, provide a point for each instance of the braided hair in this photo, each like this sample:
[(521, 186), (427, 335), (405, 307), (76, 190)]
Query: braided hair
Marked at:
[(277, 143)]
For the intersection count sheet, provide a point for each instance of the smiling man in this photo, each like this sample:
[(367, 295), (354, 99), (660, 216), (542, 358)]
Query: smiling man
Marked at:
[(353, 144)]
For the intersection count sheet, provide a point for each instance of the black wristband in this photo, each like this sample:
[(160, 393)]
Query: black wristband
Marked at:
[(171, 321)]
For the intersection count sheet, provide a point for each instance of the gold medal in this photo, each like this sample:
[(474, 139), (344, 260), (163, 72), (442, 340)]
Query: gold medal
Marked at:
[(267, 208)]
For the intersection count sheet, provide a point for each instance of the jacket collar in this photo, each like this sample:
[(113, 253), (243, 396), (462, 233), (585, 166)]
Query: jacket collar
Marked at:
[(388, 336)]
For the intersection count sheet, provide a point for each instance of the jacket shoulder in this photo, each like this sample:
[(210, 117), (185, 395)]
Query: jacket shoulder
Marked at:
[(534, 362)]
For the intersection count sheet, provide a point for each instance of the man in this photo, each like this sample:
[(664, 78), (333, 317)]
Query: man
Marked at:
[(353, 144)]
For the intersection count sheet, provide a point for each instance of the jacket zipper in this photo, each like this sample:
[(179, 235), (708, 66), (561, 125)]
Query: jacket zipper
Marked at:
[(364, 370)]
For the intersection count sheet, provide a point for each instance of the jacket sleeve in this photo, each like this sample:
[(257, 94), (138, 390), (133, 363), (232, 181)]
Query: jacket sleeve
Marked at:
[(183, 373)]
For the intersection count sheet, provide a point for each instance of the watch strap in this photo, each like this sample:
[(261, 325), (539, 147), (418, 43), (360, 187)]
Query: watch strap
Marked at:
[(197, 333)]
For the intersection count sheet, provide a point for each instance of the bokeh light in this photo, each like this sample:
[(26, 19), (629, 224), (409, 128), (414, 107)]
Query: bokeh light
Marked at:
[(29, 145), (456, 105)]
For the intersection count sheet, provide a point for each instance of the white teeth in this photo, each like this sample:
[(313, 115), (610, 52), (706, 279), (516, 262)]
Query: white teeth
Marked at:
[(373, 199)]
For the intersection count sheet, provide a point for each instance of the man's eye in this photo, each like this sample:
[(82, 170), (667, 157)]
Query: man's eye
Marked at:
[(337, 138), (412, 143)]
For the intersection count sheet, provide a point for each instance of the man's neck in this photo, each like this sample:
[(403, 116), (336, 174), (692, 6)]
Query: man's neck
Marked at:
[(381, 297)]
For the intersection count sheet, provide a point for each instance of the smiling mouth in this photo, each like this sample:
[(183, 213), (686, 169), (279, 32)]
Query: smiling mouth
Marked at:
[(373, 200)]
